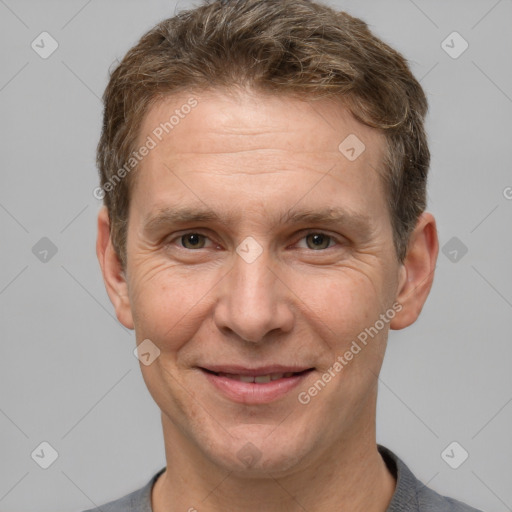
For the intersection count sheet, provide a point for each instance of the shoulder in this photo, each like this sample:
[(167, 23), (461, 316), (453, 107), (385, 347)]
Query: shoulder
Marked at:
[(411, 495), (431, 501), (136, 501)]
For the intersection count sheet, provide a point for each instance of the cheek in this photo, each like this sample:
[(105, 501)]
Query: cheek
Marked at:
[(169, 304), (342, 303)]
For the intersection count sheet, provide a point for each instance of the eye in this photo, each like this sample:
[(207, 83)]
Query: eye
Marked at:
[(193, 240), (318, 241)]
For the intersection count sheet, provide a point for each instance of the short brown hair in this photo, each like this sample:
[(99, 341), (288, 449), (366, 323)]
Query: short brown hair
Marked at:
[(296, 47)]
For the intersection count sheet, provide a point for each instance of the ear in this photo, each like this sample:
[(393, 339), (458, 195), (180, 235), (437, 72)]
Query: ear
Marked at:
[(417, 271), (113, 274)]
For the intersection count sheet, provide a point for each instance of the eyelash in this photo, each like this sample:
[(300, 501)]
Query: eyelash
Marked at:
[(312, 232)]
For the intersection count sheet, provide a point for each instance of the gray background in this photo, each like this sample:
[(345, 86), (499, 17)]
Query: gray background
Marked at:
[(67, 372)]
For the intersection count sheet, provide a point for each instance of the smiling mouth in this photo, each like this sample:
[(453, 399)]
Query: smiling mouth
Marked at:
[(258, 379)]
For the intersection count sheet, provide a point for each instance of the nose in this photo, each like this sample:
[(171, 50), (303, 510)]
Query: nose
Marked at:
[(253, 300)]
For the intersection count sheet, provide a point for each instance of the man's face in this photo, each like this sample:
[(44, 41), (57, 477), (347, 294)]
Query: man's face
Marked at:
[(261, 288)]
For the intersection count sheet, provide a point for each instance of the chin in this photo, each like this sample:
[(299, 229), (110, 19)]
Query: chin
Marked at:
[(278, 464), (256, 454)]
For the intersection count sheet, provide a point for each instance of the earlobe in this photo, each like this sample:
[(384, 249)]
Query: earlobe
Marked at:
[(113, 275), (417, 272)]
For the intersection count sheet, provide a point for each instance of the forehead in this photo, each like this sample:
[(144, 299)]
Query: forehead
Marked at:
[(267, 149), (249, 117)]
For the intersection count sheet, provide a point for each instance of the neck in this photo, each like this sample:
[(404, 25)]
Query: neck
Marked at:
[(351, 476)]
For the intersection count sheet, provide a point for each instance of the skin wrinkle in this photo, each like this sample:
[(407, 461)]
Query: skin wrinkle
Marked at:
[(262, 171), (357, 228), (297, 305), (344, 266)]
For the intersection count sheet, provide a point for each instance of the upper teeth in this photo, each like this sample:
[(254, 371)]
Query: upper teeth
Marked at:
[(260, 379)]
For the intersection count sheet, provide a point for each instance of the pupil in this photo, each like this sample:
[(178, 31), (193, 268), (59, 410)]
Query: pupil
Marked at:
[(319, 239), (192, 239)]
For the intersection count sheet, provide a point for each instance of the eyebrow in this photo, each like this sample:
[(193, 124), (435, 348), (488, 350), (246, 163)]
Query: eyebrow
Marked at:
[(167, 217)]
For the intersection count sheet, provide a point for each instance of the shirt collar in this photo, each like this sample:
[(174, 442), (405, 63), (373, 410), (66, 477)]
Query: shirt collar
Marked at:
[(405, 495), (404, 498)]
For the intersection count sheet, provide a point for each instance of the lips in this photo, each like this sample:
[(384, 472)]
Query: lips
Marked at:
[(255, 385), (260, 370), (258, 376), (259, 379)]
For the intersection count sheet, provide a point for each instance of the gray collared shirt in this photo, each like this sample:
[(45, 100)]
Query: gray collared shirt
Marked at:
[(410, 494)]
